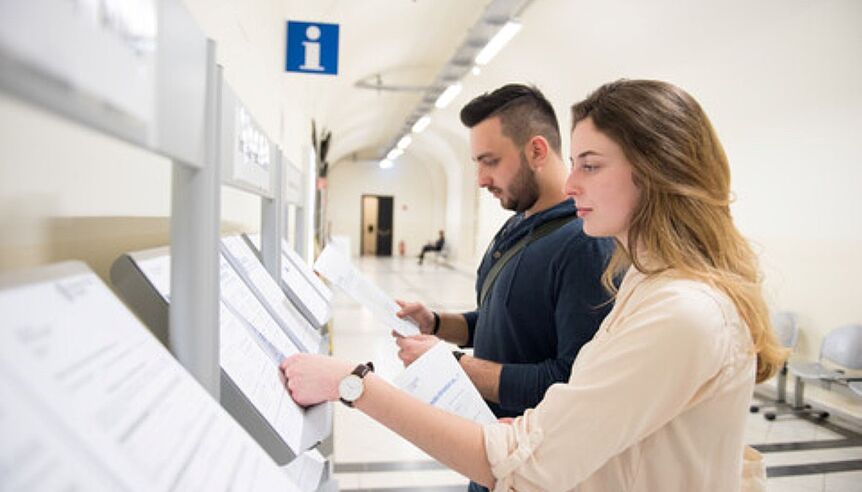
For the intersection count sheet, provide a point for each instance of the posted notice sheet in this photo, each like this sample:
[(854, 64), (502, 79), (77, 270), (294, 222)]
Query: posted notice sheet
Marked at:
[(438, 379)]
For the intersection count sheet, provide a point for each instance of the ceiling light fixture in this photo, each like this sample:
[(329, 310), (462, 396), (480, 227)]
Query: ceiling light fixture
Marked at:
[(448, 95), (394, 154), (386, 164), (404, 142), (494, 28), (499, 40), (421, 124)]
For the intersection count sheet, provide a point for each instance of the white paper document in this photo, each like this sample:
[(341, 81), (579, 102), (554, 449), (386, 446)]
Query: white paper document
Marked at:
[(301, 282), (438, 379), (106, 406), (336, 267), (306, 272), (35, 455), (251, 347), (298, 278), (158, 272), (291, 321)]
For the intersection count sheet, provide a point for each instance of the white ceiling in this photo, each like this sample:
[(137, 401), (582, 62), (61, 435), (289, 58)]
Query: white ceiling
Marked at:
[(404, 41), (718, 51)]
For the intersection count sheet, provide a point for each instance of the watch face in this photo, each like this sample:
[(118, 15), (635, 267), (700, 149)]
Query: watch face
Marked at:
[(350, 388)]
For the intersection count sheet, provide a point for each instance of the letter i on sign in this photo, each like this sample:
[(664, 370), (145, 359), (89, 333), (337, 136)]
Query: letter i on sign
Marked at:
[(312, 47)]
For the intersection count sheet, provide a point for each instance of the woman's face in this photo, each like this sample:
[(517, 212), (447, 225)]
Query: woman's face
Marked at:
[(601, 183)]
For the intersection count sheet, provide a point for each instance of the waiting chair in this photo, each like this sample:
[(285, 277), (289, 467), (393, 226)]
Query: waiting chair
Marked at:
[(787, 330), (842, 347), (442, 254)]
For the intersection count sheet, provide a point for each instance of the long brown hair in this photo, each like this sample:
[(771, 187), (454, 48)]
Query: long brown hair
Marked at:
[(683, 216)]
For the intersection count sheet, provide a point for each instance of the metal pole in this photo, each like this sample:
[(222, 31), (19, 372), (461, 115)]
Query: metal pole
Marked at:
[(195, 215), (272, 227)]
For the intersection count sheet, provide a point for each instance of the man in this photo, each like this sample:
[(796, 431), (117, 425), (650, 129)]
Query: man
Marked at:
[(546, 300), (437, 246)]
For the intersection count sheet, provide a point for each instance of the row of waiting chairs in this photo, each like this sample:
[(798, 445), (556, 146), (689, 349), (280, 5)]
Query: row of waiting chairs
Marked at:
[(840, 351)]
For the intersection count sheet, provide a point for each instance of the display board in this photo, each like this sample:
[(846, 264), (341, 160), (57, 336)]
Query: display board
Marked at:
[(134, 70), (308, 293), (251, 345), (293, 187), (99, 404), (294, 324), (247, 156)]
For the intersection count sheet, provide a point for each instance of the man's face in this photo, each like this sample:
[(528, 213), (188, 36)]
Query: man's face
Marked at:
[(502, 167)]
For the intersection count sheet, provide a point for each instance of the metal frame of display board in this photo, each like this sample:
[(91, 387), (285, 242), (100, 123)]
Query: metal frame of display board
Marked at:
[(146, 75), (250, 162), (139, 279)]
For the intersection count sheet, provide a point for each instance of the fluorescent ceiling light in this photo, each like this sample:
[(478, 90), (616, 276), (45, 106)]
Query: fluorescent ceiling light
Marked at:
[(404, 142), (394, 154), (476, 70), (386, 164), (421, 124), (448, 95), (496, 43)]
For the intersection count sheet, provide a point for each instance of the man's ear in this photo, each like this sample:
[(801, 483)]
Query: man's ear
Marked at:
[(537, 150)]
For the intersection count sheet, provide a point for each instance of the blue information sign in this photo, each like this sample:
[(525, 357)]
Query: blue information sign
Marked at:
[(312, 47)]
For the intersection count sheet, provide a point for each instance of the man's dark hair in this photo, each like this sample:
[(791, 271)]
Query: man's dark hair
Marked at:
[(523, 111)]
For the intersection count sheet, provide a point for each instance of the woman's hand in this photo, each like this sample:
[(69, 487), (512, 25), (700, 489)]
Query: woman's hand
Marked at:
[(311, 378)]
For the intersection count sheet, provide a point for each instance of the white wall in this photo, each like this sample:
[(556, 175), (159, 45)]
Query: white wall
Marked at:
[(446, 149), (419, 204), (66, 191), (249, 39)]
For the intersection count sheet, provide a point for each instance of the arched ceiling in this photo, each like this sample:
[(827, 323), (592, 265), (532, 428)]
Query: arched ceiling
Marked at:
[(405, 42)]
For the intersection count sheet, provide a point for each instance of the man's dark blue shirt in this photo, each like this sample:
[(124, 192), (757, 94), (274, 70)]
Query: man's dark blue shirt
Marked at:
[(546, 303)]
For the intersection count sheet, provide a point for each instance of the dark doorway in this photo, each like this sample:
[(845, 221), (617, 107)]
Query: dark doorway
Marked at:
[(376, 222)]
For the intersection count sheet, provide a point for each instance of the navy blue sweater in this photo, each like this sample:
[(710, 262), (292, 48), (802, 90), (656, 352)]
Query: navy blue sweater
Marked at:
[(547, 302)]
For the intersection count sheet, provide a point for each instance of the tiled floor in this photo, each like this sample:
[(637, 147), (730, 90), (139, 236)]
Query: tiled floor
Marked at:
[(367, 456)]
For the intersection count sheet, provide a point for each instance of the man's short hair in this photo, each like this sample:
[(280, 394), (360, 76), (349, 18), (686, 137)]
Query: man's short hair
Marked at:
[(523, 111)]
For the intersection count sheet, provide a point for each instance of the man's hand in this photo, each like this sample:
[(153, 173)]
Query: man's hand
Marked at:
[(411, 348), (311, 379), (419, 313)]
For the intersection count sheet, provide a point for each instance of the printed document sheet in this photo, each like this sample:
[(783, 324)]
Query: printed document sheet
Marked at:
[(100, 404), (301, 283), (336, 267), (438, 379), (292, 322), (301, 280), (251, 346)]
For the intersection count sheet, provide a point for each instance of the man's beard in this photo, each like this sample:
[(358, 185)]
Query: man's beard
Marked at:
[(524, 190)]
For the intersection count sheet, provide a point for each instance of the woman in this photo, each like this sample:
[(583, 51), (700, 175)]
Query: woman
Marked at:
[(658, 399)]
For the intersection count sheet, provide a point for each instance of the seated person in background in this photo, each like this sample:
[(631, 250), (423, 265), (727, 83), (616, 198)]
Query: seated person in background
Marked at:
[(658, 399), (437, 246)]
